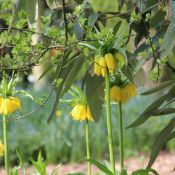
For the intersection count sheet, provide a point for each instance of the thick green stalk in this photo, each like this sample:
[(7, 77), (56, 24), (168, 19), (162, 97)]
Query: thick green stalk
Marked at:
[(120, 121), (6, 158), (88, 147), (109, 125)]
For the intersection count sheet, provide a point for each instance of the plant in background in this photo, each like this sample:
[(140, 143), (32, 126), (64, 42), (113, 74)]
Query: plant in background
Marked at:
[(121, 91), (81, 112), (9, 103)]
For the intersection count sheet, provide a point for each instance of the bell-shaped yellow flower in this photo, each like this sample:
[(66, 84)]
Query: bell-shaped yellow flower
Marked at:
[(115, 94), (103, 66), (111, 62), (81, 112), (96, 66), (1, 149), (124, 95), (9, 105), (132, 90), (120, 59)]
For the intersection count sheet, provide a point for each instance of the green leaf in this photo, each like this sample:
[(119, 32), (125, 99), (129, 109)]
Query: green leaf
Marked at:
[(160, 141), (168, 40), (158, 87), (149, 111), (16, 168), (39, 165), (92, 19), (117, 27), (124, 172), (88, 45), (79, 32), (139, 78), (145, 172), (45, 72), (163, 111), (172, 10), (29, 7), (100, 166), (75, 69), (61, 73), (94, 94), (158, 19), (25, 93), (53, 4)]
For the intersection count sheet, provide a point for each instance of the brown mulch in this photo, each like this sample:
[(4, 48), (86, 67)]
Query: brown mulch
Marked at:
[(164, 165)]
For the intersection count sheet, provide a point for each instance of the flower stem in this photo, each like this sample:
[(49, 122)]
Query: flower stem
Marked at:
[(5, 146), (109, 125), (120, 134), (87, 147)]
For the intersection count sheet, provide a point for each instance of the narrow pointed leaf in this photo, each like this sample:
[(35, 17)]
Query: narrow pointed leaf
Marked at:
[(158, 87), (100, 166)]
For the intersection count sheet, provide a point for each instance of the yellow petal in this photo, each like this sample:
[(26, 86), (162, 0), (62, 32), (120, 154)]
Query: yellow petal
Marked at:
[(96, 66), (9, 105), (132, 90), (111, 62), (103, 66), (124, 95), (115, 94)]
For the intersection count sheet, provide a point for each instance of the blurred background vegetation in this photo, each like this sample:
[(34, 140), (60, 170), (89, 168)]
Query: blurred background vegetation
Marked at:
[(63, 140)]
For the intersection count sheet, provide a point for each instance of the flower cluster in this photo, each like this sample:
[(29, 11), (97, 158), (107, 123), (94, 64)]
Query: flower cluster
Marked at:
[(9, 105), (101, 64), (109, 61), (81, 112), (123, 94)]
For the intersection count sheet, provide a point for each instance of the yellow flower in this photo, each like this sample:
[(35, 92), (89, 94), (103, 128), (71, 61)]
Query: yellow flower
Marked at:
[(1, 149), (103, 66), (123, 94), (131, 89), (9, 105), (120, 59), (81, 112), (96, 66), (58, 113), (115, 94), (111, 62)]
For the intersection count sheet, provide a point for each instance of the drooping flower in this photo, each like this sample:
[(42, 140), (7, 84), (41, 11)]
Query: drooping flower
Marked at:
[(115, 94), (124, 93), (132, 90), (102, 64), (9, 105), (81, 112), (111, 62), (1, 149), (96, 66)]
